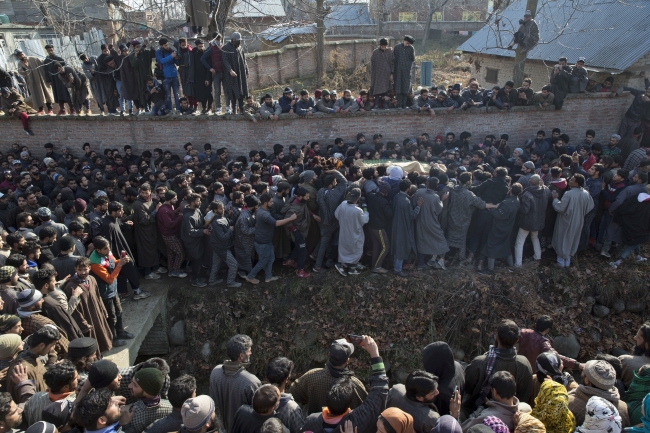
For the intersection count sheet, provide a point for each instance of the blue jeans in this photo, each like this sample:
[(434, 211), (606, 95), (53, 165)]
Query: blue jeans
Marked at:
[(266, 255), (628, 249), (397, 265), (170, 84), (118, 83), (156, 108)]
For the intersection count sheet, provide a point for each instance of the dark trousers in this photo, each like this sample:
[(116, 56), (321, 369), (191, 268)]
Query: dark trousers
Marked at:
[(299, 253), (128, 273), (401, 100), (114, 310), (196, 266), (380, 246)]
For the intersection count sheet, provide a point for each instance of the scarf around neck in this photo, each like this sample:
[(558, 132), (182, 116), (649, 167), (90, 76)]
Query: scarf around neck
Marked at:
[(337, 373)]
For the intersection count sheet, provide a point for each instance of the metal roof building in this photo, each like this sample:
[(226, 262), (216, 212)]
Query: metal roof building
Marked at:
[(611, 34), (279, 33), (258, 9), (347, 14)]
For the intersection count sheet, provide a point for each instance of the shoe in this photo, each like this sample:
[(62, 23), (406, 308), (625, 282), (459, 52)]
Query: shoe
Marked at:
[(161, 270), (73, 113), (234, 284), (316, 270), (124, 335), (28, 132), (40, 113), (353, 270), (339, 267), (379, 270), (441, 264), (302, 274), (118, 343), (272, 279), (242, 274), (641, 259), (605, 254), (89, 112), (614, 265), (486, 272), (479, 267), (313, 257), (215, 282), (179, 274), (401, 274), (557, 265), (290, 262), (61, 113), (152, 276), (407, 265), (227, 110), (198, 283), (252, 280), (50, 113), (360, 267), (141, 295)]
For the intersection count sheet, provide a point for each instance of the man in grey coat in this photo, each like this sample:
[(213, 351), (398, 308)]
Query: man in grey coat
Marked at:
[(192, 232), (430, 238), (403, 57), (532, 214)]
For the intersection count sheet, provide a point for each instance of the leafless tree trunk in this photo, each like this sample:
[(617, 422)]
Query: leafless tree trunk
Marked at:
[(220, 15), (433, 8), (320, 39)]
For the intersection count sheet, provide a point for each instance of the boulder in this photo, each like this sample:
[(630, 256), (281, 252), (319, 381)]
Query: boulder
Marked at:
[(604, 300), (567, 345), (590, 301), (635, 306), (177, 334), (618, 307), (600, 311), (309, 337)]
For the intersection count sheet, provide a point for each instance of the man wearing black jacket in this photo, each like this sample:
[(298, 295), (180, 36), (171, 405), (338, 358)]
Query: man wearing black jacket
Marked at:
[(381, 216)]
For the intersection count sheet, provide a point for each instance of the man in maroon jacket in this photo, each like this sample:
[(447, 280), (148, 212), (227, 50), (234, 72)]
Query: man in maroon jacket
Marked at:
[(211, 59), (532, 342), (169, 220)]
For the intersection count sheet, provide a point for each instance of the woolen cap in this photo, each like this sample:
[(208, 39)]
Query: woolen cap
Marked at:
[(79, 205), (340, 352), (409, 39), (66, 243), (29, 297), (236, 36), (529, 165), (8, 321), (6, 272), (355, 193), (57, 413), (102, 373), (80, 347), (169, 195), (41, 427), (44, 212), (196, 412), (150, 380), (601, 374), (9, 344)]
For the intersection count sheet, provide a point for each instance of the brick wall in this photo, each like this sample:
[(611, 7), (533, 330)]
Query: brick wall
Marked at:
[(538, 71), (580, 113), (299, 60)]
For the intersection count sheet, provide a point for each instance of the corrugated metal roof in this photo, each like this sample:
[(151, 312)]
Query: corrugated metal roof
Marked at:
[(258, 9), (349, 14), (281, 32), (610, 34)]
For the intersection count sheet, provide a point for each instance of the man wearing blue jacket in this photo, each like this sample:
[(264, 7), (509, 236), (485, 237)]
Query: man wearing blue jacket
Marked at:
[(166, 57)]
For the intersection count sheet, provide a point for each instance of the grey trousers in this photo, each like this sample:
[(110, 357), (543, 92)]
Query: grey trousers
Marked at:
[(231, 262)]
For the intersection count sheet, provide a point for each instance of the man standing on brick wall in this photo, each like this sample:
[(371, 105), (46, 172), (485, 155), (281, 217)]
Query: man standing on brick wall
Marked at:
[(403, 58), (235, 68), (381, 71)]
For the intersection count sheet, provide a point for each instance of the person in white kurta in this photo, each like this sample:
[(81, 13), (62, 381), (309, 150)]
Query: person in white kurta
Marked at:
[(351, 220)]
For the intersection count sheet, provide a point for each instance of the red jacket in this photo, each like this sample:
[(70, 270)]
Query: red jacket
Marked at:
[(168, 220), (532, 343)]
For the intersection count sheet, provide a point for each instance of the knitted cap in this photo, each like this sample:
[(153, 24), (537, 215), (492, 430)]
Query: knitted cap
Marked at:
[(6, 272), (57, 413), (41, 427), (80, 347), (102, 373), (196, 412), (44, 212), (8, 321), (79, 205), (169, 195), (601, 374), (150, 380), (29, 297), (9, 344)]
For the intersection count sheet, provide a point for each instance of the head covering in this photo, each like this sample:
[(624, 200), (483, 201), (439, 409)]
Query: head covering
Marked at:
[(601, 416), (384, 188), (396, 173), (66, 243), (8, 321), (80, 347), (6, 272), (617, 137), (338, 155), (4, 90), (9, 345), (340, 351), (529, 424), (552, 408), (479, 428), (196, 412), (325, 92), (169, 195), (529, 165), (29, 297), (24, 154), (399, 420), (17, 51), (150, 380), (409, 39), (135, 42), (355, 193), (447, 424), (496, 424), (548, 365), (236, 36), (601, 374), (79, 205), (318, 93), (438, 359), (47, 160), (581, 59), (520, 150), (100, 193), (287, 90), (456, 87), (41, 427), (527, 13), (44, 212), (307, 175), (58, 412), (102, 373), (123, 47)]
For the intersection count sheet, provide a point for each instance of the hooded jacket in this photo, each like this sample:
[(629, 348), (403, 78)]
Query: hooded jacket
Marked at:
[(532, 213), (438, 359)]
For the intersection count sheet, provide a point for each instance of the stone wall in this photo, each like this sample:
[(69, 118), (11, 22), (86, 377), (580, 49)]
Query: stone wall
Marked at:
[(580, 113), (538, 71)]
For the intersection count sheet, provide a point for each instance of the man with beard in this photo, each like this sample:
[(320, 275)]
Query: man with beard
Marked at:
[(416, 397), (184, 62), (211, 60), (235, 69), (231, 385), (200, 77), (129, 86), (244, 230), (169, 220), (146, 233), (298, 230), (37, 82), (404, 56), (141, 60), (106, 65), (99, 410), (381, 71), (403, 233), (75, 84), (270, 109), (560, 78), (221, 240), (198, 415), (60, 93), (346, 104), (640, 355)]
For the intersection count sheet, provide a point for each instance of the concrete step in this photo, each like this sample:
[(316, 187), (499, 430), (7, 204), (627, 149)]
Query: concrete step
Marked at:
[(139, 318)]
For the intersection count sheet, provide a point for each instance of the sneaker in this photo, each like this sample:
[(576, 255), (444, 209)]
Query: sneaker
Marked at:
[(614, 265), (270, 280), (486, 271), (178, 274), (401, 274), (339, 267), (641, 259), (290, 262), (125, 335), (152, 276), (40, 113), (198, 283), (360, 267), (353, 270), (234, 284), (227, 110), (379, 270), (302, 274), (316, 270), (61, 113), (124, 299), (50, 113), (252, 280), (441, 264), (605, 254), (73, 113), (141, 295), (118, 343), (161, 270), (434, 264), (215, 282), (28, 132), (242, 274)]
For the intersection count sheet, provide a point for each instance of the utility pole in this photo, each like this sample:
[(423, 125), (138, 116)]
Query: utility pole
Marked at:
[(520, 55), (320, 39)]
